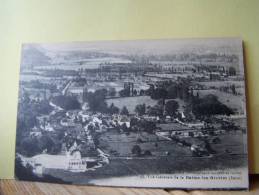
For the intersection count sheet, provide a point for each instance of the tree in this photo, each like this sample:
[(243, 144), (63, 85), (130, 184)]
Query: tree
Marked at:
[(133, 121), (136, 150), (232, 71), (45, 142), (135, 92), (147, 153), (26, 98), (26, 121), (124, 93), (156, 110), (29, 146), (85, 94), (210, 105), (171, 107), (124, 111), (96, 101), (43, 107), (159, 93), (147, 126), (66, 102), (151, 89), (113, 109), (141, 92), (103, 92), (172, 91), (112, 92), (140, 109), (197, 95), (233, 89)]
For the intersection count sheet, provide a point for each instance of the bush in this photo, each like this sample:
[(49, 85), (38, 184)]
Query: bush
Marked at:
[(113, 109), (171, 107), (136, 150), (30, 147), (147, 153)]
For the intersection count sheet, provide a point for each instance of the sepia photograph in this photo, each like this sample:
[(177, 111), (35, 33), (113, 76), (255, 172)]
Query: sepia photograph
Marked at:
[(137, 113)]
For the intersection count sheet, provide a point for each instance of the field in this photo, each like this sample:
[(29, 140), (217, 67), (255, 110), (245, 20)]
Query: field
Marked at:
[(167, 157), (171, 126), (233, 143), (31, 77), (120, 145), (221, 83), (145, 166), (180, 158), (131, 102)]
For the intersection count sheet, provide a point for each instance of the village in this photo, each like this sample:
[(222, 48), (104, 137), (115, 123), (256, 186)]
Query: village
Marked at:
[(87, 119), (83, 115)]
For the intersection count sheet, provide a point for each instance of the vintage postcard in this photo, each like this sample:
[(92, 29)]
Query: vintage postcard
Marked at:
[(143, 113)]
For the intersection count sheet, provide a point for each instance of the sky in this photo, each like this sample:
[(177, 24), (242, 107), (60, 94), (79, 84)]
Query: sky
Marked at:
[(150, 47)]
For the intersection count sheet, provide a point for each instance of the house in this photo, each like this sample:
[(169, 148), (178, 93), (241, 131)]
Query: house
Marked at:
[(72, 162), (120, 120), (47, 127), (187, 133), (35, 132)]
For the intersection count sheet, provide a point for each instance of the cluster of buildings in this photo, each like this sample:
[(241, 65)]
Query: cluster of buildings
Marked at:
[(83, 124)]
